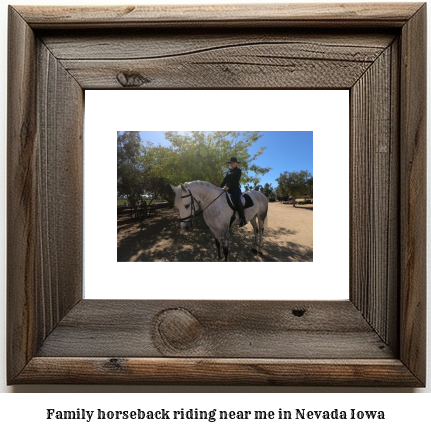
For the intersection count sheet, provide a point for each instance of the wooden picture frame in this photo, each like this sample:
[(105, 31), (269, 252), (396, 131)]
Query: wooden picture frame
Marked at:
[(376, 338)]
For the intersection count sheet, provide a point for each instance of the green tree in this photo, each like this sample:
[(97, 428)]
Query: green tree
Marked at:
[(295, 184), (159, 187), (129, 166), (257, 186), (310, 187), (159, 163), (268, 190), (201, 155)]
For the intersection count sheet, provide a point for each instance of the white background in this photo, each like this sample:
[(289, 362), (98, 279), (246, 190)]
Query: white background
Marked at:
[(324, 112), (27, 411)]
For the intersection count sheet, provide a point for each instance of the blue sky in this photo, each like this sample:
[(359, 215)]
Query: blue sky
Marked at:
[(286, 151)]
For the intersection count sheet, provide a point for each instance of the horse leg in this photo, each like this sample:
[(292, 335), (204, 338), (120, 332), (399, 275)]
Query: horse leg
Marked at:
[(226, 253), (225, 243), (256, 231), (217, 242)]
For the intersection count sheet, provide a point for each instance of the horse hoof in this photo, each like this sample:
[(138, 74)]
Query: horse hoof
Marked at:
[(260, 253), (254, 250)]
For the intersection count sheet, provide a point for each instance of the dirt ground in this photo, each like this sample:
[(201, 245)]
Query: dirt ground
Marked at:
[(289, 237)]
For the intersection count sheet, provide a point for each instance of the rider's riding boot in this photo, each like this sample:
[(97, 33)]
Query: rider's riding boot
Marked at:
[(240, 209)]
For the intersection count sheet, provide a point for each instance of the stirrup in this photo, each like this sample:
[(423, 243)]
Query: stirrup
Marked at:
[(243, 222)]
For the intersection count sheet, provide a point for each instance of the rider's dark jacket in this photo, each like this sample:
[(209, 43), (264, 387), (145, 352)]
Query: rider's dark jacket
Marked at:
[(231, 179)]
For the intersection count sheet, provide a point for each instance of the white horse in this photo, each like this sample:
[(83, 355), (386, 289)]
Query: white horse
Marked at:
[(197, 197)]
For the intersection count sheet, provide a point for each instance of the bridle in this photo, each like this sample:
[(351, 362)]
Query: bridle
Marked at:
[(192, 207), (193, 212)]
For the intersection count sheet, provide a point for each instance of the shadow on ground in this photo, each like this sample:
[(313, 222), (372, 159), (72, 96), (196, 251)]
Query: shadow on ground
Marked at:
[(303, 207), (160, 239)]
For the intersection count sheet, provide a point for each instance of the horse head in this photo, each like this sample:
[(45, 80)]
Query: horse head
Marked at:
[(186, 204)]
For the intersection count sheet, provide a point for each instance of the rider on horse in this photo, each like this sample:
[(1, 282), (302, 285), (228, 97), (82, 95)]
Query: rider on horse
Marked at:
[(231, 181)]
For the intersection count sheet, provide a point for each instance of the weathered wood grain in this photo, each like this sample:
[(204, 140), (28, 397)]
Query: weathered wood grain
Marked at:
[(231, 71), (235, 329), (392, 301), (45, 107), (393, 274), (198, 371), (139, 44), (59, 180), (299, 14), (374, 194), (211, 60), (261, 66), (21, 195), (413, 194)]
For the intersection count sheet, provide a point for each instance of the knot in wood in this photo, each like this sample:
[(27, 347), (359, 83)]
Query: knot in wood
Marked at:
[(131, 79), (115, 363), (298, 312), (178, 329)]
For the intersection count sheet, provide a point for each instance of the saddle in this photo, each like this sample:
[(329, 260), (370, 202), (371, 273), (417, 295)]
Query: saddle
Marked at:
[(246, 201)]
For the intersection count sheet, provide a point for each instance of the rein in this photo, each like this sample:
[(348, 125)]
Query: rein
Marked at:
[(192, 207)]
